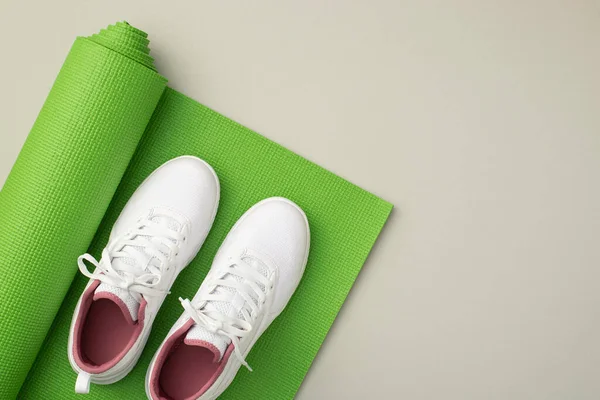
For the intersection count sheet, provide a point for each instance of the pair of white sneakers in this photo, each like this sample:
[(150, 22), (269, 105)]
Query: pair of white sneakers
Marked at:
[(160, 230)]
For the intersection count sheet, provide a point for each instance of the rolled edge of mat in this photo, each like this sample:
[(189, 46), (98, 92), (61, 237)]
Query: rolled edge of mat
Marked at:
[(126, 40), (61, 185)]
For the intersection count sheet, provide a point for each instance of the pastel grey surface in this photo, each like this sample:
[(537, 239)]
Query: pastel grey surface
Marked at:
[(478, 120)]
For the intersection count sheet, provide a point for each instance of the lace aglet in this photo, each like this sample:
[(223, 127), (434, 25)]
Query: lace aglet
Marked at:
[(249, 367)]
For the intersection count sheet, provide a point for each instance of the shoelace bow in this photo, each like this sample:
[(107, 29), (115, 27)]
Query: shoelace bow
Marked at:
[(145, 275), (218, 323)]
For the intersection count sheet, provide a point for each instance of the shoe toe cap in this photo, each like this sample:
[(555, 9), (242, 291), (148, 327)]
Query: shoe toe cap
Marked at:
[(185, 185), (278, 228)]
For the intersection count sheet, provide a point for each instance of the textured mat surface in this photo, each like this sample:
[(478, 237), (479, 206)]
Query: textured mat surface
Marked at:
[(344, 219), (59, 189)]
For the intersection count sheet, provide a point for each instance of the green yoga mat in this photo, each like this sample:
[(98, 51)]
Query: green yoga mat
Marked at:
[(108, 122)]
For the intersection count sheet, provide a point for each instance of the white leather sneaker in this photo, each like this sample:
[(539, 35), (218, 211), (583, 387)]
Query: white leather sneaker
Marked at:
[(252, 278), (158, 233)]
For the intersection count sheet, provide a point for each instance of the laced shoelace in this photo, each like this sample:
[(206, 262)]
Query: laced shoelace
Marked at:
[(218, 323), (150, 245)]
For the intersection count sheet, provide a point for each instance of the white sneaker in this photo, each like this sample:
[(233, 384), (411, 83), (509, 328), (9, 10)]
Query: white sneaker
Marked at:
[(158, 233), (252, 278)]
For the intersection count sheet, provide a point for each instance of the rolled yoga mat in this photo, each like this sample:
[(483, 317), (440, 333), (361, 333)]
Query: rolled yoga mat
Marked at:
[(80, 165), (63, 181)]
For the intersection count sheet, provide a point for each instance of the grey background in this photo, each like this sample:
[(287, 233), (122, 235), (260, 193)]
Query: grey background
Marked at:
[(479, 120)]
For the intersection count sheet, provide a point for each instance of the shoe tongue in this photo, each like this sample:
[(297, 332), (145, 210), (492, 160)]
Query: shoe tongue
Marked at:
[(123, 297), (200, 336)]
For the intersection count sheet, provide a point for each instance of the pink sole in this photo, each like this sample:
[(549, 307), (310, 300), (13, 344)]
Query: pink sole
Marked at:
[(186, 371), (182, 371), (106, 332), (102, 335)]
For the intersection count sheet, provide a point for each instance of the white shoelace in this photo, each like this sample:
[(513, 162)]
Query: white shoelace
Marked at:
[(218, 323), (151, 245)]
